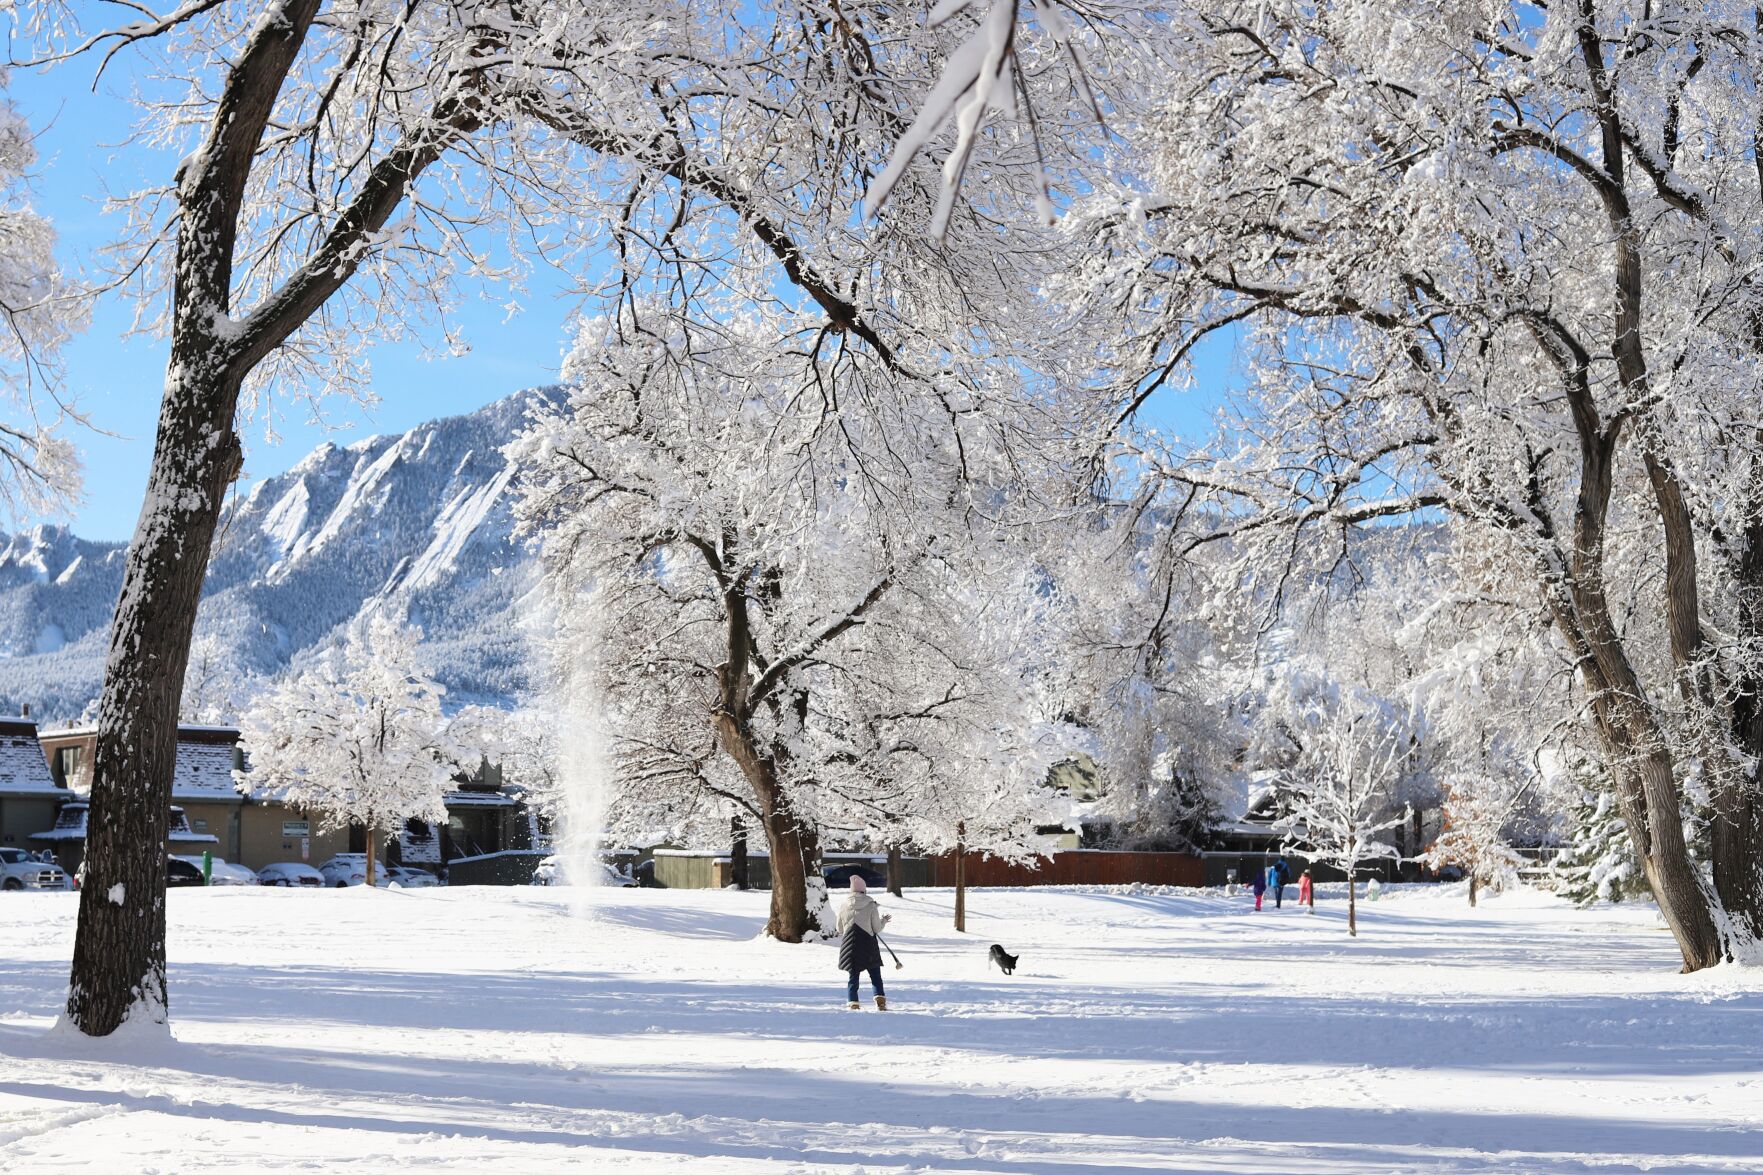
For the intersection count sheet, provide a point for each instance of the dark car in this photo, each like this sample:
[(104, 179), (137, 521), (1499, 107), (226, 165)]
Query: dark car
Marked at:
[(839, 876), (179, 872)]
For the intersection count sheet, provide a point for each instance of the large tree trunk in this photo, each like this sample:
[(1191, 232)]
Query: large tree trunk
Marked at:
[(737, 855), (1473, 882), (372, 856), (794, 848), (1735, 850), (1652, 796), (1735, 846), (1648, 798), (1352, 903), (795, 860), (961, 880), (119, 949), (894, 884)]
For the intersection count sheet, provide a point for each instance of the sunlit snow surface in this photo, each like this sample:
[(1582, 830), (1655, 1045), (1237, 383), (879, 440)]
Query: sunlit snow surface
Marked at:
[(486, 1029)]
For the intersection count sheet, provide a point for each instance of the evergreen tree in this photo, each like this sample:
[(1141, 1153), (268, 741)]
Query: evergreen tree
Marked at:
[(1598, 863)]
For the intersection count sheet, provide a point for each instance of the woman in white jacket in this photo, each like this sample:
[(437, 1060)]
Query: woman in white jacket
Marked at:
[(860, 927)]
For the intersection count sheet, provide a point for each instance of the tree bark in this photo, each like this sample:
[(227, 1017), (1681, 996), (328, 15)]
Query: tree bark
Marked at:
[(894, 886), (1352, 903), (119, 948), (1472, 884), (372, 856), (1735, 846), (794, 848), (795, 859), (961, 879), (737, 856)]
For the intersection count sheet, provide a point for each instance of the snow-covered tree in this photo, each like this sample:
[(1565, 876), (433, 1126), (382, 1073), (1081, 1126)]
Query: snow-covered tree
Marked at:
[(1477, 809), (1597, 862), (216, 687), (525, 744), (1484, 258), (39, 312), (1337, 795), (343, 164), (808, 608), (358, 737)]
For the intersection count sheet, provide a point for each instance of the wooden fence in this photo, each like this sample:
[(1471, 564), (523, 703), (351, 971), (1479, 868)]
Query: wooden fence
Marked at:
[(1074, 867)]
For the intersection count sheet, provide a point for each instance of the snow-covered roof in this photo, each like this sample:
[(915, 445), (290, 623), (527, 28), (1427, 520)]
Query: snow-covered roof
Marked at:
[(480, 799), (204, 771), (24, 769), (1246, 828)]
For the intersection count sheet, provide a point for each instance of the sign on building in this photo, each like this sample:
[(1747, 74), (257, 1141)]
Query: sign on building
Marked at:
[(294, 829)]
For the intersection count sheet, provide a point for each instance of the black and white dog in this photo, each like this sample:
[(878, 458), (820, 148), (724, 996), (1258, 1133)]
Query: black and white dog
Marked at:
[(1006, 963)]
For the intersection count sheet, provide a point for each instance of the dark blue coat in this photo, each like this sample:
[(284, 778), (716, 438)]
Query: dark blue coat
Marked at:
[(858, 950)]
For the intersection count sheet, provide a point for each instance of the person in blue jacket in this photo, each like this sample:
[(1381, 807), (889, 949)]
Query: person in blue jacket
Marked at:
[(1282, 877), (1259, 885)]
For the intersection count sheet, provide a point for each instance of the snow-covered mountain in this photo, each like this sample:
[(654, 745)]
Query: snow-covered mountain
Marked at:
[(418, 522)]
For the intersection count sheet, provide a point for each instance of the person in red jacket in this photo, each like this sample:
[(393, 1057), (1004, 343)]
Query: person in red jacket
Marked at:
[(1306, 892)]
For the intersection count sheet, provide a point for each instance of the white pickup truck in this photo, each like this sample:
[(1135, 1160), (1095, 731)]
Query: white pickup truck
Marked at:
[(21, 870)]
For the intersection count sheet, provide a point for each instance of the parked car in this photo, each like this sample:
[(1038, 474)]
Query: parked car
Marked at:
[(345, 869), (22, 870), (550, 871), (839, 876), (290, 873), (179, 872), (223, 872), (411, 877)]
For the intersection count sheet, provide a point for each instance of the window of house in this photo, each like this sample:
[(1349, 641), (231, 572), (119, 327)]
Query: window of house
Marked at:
[(475, 831), (67, 765)]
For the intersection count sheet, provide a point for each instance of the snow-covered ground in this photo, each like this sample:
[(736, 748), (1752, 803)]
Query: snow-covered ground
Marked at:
[(471, 1029)]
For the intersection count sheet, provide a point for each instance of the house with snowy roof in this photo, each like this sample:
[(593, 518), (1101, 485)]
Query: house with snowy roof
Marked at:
[(67, 837), (202, 786), (29, 794), (252, 827), (488, 837), (210, 813)]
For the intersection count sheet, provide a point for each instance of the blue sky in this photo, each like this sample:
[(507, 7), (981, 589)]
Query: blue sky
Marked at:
[(117, 381)]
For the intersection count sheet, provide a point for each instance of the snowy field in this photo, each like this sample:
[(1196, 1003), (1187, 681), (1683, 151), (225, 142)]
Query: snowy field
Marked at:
[(479, 1029)]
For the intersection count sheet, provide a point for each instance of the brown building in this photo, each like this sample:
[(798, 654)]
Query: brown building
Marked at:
[(235, 826), (202, 786), (67, 839), (29, 794), (252, 829)]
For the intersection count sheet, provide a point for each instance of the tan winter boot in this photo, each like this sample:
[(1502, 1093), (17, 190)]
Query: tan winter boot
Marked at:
[(853, 1006), (881, 1003)]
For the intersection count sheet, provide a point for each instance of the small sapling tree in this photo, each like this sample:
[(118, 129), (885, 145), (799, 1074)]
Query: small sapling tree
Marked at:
[(1476, 811), (1352, 756)]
